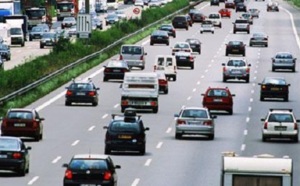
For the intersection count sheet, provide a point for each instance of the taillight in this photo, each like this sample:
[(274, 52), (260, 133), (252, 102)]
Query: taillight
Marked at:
[(4, 123), (124, 70), (191, 58), (153, 103), (285, 88), (69, 93), (247, 70), (266, 125), (124, 102), (68, 174), (17, 155), (180, 122), (263, 87), (207, 123), (107, 175), (162, 82), (35, 124), (224, 69), (295, 126), (155, 67), (107, 70), (92, 93), (142, 57), (121, 57)]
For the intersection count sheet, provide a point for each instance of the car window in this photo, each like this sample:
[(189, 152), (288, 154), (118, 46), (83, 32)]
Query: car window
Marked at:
[(281, 118), (160, 61), (15, 31), (235, 43), (83, 164), (131, 50), (236, 63), (9, 144), (181, 45), (284, 56), (180, 19), (274, 81), (19, 115), (241, 21), (119, 126), (81, 86), (194, 113), (214, 16), (218, 92)]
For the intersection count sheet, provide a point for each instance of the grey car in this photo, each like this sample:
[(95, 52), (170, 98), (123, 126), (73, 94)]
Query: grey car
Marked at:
[(284, 60), (259, 39), (36, 33), (254, 12), (194, 120), (48, 39), (111, 18), (236, 69)]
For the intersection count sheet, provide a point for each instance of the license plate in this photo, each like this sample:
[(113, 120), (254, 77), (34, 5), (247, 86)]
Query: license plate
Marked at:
[(3, 156), (89, 185), (159, 37), (124, 137), (195, 123), (182, 57), (275, 89), (138, 103), (235, 50), (116, 70), (236, 72), (80, 94), (217, 100), (280, 128), (19, 124)]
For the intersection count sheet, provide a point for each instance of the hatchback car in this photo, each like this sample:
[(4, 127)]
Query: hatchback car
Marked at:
[(22, 123), (230, 4), (214, 2), (207, 26), (235, 47), (198, 17), (134, 55), (236, 69), (216, 98), (115, 69), (82, 91), (284, 60), (272, 6), (280, 123), (195, 44), (68, 22), (274, 87), (248, 17), (159, 36), (180, 21), (225, 12), (48, 39), (241, 25), (169, 28), (111, 18), (254, 12), (240, 7), (194, 120), (259, 39), (5, 51), (215, 18), (181, 46), (126, 133), (91, 169), (14, 155)]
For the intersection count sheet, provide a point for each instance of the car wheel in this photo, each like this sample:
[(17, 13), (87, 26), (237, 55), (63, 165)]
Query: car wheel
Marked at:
[(264, 139), (174, 78), (262, 98), (166, 91), (201, 32), (41, 136), (247, 79), (192, 66), (37, 137), (273, 69), (143, 67), (168, 43), (174, 36), (122, 109), (248, 32), (199, 51), (68, 103), (294, 69), (286, 98), (266, 45), (105, 79), (224, 79), (296, 139), (226, 54), (220, 25), (212, 32), (244, 53), (234, 31), (211, 136), (187, 28), (143, 150), (107, 150), (250, 44), (30, 38), (155, 109), (95, 103), (230, 111), (151, 43), (41, 46), (22, 44), (178, 136), (22, 171)]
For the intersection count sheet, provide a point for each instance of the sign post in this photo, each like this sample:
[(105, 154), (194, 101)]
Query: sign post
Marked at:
[(137, 12)]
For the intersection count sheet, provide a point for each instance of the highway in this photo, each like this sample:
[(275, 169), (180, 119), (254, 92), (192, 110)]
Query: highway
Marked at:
[(192, 161)]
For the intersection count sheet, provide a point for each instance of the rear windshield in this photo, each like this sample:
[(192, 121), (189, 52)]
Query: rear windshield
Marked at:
[(284, 56), (121, 126), (194, 113), (81, 86), (83, 164), (9, 144), (131, 50), (241, 21), (218, 92), (19, 115), (214, 16), (281, 118), (181, 18), (236, 63), (274, 81)]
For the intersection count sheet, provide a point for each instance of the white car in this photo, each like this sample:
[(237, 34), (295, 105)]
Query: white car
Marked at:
[(215, 18), (139, 3), (207, 26), (166, 64), (154, 3), (181, 47)]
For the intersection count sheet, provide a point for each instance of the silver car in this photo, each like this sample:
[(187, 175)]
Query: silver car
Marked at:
[(259, 39), (36, 33), (134, 55), (194, 120), (254, 12), (236, 69), (280, 123), (284, 60), (207, 27)]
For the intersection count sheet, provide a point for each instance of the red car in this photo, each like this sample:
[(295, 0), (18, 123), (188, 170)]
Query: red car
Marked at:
[(218, 99), (225, 12)]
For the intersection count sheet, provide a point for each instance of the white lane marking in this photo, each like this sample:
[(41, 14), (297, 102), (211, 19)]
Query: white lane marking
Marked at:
[(33, 180), (158, 146), (56, 159), (249, 109), (116, 105), (169, 130), (253, 84), (135, 182), (247, 120), (209, 65), (91, 128), (104, 116), (145, 42), (202, 76), (255, 78), (251, 99), (206, 71), (243, 147), (148, 162), (212, 61), (52, 100), (255, 71), (293, 26), (75, 142), (245, 132), (204, 6), (189, 98), (194, 90), (198, 82), (252, 91)]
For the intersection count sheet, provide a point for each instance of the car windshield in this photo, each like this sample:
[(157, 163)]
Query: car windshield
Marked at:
[(15, 31), (241, 21), (181, 18), (214, 16), (218, 93), (37, 29), (3, 47), (81, 86), (275, 81), (258, 35), (19, 115), (121, 126), (181, 45), (192, 113), (280, 118), (131, 50), (84, 164), (168, 27), (236, 63), (9, 144), (284, 56), (235, 43)]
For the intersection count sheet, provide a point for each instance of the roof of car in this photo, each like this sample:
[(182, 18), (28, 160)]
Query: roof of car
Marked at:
[(279, 110), (21, 109), (91, 156)]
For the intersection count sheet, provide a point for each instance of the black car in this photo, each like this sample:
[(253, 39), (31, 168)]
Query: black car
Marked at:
[(5, 52), (169, 28), (115, 69), (195, 44), (214, 2), (48, 39), (90, 169), (184, 59), (274, 87), (235, 47), (180, 21), (82, 92), (1, 64), (193, 11), (198, 17), (14, 155), (126, 133), (240, 7), (159, 36)]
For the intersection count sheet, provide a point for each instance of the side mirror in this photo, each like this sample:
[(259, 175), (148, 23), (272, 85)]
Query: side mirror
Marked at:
[(28, 148), (213, 116), (288, 84), (232, 95), (65, 165), (262, 119), (147, 128), (298, 120), (105, 127), (202, 94), (223, 64), (176, 115)]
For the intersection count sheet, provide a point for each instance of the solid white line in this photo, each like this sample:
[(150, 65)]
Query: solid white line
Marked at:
[(247, 120), (116, 105), (91, 128), (135, 182), (56, 159), (252, 91), (194, 90), (245, 132), (251, 99), (243, 147), (75, 142), (145, 42), (158, 146), (169, 130), (293, 26), (212, 61), (33, 180), (148, 162), (104, 116)]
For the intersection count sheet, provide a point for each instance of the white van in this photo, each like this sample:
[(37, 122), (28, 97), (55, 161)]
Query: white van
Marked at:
[(112, 4), (134, 55), (167, 64), (5, 33)]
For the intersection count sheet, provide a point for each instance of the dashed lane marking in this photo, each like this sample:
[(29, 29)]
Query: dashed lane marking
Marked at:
[(158, 146), (194, 90), (169, 130), (245, 132), (91, 128), (56, 159), (189, 98), (243, 147), (75, 142), (104, 116), (247, 120), (116, 105), (147, 163), (249, 109), (34, 179), (135, 182)]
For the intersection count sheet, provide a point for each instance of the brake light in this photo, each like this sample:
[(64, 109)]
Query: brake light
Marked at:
[(295, 126), (68, 174), (263, 87), (35, 124), (142, 57), (107, 175), (124, 102), (208, 123), (69, 93), (107, 70), (162, 82), (224, 69), (247, 70), (191, 58), (17, 155), (4, 123), (153, 103), (180, 122), (266, 125), (92, 93), (121, 57)]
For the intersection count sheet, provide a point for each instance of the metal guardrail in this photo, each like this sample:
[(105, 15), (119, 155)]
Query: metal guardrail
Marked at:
[(86, 58)]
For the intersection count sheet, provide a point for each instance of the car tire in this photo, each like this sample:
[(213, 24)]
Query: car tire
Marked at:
[(244, 53), (174, 78), (211, 136), (199, 51), (107, 150), (68, 103), (178, 136), (155, 109), (220, 25), (22, 172), (248, 32), (166, 91), (143, 67), (192, 66), (201, 32), (230, 111), (187, 28), (266, 45), (23, 44), (224, 79), (226, 54), (41, 46), (143, 150), (273, 69), (262, 98), (105, 79), (264, 139), (296, 139), (151, 43), (37, 138), (247, 79), (95, 103), (30, 38), (294, 69), (250, 44), (167, 43), (234, 31), (213, 32), (174, 36)]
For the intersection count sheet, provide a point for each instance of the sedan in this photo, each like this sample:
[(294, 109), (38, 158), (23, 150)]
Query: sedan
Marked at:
[(169, 28), (195, 44), (274, 87), (235, 47), (115, 69), (248, 17), (194, 121), (184, 59), (259, 38), (207, 26), (121, 14), (14, 155), (225, 12), (68, 22), (284, 60), (181, 46), (5, 51), (198, 17), (272, 6), (240, 7), (159, 36), (236, 69), (48, 39), (254, 12), (111, 18), (36, 33), (230, 4), (72, 31)]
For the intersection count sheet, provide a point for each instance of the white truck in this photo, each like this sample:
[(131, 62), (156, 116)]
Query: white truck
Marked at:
[(16, 32), (140, 91), (260, 170)]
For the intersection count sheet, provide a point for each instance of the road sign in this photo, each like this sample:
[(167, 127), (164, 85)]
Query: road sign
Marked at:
[(136, 10), (84, 25)]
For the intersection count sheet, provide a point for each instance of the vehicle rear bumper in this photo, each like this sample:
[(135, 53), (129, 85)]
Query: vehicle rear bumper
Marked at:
[(125, 146), (218, 107), (11, 165), (86, 182), (181, 129), (280, 134), (20, 133), (82, 99)]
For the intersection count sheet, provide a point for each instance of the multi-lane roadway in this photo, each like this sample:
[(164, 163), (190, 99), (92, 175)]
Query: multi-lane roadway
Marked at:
[(192, 161)]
